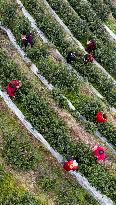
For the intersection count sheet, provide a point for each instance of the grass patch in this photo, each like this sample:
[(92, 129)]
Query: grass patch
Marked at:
[(53, 177), (111, 25), (43, 118), (11, 194), (20, 152)]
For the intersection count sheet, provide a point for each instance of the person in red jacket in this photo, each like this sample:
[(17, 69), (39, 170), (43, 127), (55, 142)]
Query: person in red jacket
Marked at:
[(88, 58), (100, 117), (12, 87), (99, 153), (91, 45), (71, 164)]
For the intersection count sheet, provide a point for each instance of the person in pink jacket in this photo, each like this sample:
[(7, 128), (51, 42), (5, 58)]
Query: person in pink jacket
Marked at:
[(99, 152)]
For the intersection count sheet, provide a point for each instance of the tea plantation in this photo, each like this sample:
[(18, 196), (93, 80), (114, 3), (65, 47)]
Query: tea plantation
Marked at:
[(59, 102)]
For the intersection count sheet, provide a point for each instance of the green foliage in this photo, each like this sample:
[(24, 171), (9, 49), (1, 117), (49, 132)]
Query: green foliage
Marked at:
[(54, 173), (112, 6), (57, 74), (21, 24), (30, 101), (64, 190), (15, 199), (109, 7), (45, 121), (43, 118), (111, 24), (108, 131), (20, 152), (91, 72), (56, 34), (37, 53), (71, 19), (11, 195), (90, 127), (48, 184), (100, 8), (89, 108), (62, 102), (89, 26), (114, 12), (10, 72), (88, 167), (8, 13)]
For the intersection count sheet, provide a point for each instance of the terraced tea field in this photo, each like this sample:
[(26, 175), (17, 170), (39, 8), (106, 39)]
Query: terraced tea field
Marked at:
[(53, 113)]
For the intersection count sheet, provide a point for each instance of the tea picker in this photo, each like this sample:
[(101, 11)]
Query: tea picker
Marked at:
[(91, 46), (27, 39), (24, 39), (99, 153), (71, 164), (30, 39), (88, 58), (12, 87), (101, 117), (71, 57)]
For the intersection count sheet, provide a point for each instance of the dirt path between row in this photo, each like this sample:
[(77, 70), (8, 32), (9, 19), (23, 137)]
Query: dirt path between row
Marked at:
[(77, 131), (114, 3)]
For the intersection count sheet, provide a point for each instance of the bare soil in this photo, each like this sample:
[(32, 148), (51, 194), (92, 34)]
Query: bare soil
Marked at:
[(114, 3), (76, 130), (78, 133)]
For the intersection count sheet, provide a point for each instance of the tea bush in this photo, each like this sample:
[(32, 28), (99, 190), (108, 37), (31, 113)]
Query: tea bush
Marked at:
[(87, 106), (49, 26), (20, 152), (105, 49), (43, 118), (8, 13), (90, 71), (56, 74), (109, 3), (101, 9), (60, 178)]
